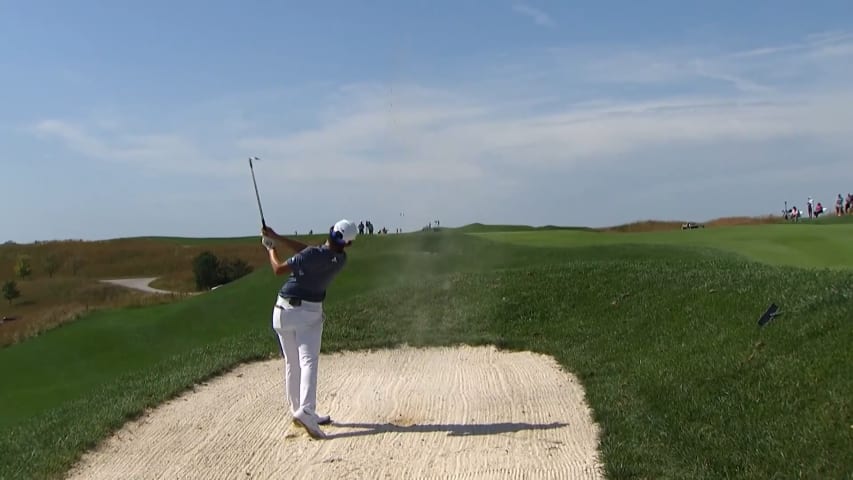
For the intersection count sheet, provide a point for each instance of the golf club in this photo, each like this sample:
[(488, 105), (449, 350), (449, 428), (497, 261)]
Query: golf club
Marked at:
[(261, 209)]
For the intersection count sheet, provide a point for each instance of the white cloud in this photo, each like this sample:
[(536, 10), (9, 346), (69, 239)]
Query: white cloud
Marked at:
[(163, 152), (514, 146), (453, 133), (739, 82), (538, 16), (564, 118), (452, 140), (815, 61)]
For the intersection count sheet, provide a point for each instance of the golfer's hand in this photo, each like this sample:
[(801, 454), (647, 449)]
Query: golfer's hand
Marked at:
[(268, 242)]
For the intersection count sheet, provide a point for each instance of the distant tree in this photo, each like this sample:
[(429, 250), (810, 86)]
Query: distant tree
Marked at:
[(210, 271), (10, 291), (76, 264), (23, 270), (51, 264), (232, 269), (207, 270)]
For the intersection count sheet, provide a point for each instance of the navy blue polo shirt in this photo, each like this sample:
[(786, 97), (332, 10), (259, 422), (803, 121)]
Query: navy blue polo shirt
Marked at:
[(312, 270)]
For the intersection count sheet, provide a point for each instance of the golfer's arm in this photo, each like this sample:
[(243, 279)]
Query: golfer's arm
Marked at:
[(279, 267), (291, 244)]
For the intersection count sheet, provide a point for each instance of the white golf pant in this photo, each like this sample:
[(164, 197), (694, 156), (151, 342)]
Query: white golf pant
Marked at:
[(299, 330)]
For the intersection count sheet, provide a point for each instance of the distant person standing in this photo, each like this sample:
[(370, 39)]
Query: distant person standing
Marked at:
[(839, 206), (361, 228), (811, 207)]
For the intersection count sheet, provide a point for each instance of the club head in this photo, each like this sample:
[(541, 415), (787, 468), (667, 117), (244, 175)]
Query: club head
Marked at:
[(770, 314)]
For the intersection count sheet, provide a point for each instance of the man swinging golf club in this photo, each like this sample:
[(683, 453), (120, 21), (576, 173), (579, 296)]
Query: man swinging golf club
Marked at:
[(298, 314)]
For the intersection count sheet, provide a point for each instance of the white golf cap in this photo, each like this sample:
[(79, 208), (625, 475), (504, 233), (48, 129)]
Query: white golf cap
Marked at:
[(345, 230)]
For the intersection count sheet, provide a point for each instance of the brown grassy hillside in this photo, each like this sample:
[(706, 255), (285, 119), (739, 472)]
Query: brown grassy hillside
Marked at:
[(74, 289), (136, 257)]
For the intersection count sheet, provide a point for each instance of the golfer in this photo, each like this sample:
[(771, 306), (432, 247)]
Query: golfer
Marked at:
[(298, 317)]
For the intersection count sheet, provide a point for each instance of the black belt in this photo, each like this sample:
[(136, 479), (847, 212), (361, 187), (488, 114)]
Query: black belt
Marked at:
[(294, 302)]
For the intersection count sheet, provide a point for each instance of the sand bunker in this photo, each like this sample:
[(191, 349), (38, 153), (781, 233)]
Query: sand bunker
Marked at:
[(449, 413)]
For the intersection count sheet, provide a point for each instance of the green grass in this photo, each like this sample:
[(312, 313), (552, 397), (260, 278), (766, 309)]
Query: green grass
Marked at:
[(821, 245), (664, 339)]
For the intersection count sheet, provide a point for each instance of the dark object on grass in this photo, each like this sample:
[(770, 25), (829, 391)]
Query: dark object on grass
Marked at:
[(770, 314), (691, 226)]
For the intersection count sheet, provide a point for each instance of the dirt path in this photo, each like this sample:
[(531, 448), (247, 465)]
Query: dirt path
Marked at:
[(460, 413), (137, 284)]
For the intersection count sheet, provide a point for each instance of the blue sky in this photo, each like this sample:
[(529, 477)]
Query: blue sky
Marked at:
[(136, 118)]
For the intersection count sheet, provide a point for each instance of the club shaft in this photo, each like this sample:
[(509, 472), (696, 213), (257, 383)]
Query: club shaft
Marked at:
[(257, 196)]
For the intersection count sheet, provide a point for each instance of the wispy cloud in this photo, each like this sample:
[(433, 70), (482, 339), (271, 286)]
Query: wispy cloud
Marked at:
[(456, 138), (456, 133), (161, 152), (665, 116), (739, 82), (451, 143), (538, 16)]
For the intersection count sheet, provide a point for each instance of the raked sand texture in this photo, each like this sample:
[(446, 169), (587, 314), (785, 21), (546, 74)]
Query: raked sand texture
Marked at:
[(443, 413)]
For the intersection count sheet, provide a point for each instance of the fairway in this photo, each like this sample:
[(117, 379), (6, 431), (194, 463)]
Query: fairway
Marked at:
[(677, 375), (799, 245)]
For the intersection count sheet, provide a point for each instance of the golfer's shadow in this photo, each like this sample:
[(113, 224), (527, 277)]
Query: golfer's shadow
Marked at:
[(453, 430)]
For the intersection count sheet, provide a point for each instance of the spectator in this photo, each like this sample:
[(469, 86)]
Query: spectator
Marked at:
[(839, 206), (361, 227), (818, 210), (811, 207), (795, 214), (849, 204)]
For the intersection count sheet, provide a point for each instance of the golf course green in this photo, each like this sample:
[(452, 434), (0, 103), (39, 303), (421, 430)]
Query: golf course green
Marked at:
[(801, 245), (661, 329)]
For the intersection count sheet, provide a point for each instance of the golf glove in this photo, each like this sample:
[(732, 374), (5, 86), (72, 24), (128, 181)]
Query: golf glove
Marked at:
[(268, 242)]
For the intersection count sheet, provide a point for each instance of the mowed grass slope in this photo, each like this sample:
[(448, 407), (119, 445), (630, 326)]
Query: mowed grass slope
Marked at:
[(683, 382), (820, 245)]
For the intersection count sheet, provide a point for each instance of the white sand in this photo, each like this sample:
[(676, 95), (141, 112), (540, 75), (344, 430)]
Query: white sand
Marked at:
[(458, 413)]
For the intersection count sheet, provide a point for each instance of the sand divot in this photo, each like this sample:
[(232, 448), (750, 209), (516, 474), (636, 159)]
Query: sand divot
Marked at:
[(455, 413)]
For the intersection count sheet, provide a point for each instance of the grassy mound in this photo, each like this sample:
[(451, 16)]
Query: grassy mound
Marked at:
[(681, 379), (801, 245), (481, 228)]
